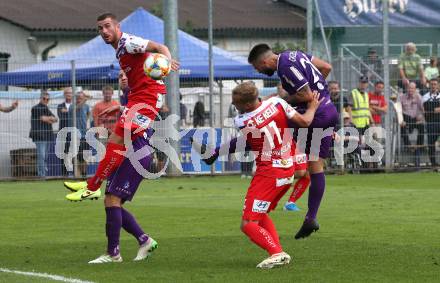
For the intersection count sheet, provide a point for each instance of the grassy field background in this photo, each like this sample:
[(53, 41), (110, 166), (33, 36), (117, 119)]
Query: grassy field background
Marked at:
[(381, 228)]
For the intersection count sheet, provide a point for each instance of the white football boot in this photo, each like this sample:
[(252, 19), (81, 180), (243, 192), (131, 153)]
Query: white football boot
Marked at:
[(278, 259), (145, 250), (107, 259)]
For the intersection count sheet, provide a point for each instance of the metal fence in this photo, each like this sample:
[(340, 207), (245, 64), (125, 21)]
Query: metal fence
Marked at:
[(412, 108), (415, 122), (24, 137), (414, 125)]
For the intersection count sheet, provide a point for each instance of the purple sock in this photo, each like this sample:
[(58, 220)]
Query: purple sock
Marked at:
[(131, 226), (113, 229), (316, 191)]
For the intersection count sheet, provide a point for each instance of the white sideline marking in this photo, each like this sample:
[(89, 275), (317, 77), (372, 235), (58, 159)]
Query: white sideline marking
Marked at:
[(44, 275)]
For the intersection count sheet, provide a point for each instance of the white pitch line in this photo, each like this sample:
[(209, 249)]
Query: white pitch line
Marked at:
[(44, 275)]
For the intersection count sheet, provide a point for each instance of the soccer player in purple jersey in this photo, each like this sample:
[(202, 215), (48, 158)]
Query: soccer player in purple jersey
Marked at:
[(301, 74)]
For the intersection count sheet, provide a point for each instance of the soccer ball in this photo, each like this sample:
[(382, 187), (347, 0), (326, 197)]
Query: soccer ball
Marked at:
[(157, 66)]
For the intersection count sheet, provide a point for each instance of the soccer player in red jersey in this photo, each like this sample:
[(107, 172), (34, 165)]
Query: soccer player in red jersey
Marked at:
[(131, 51), (145, 97), (301, 184), (265, 127)]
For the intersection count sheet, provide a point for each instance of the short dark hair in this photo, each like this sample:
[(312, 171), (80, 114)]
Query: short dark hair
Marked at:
[(105, 16), (379, 83), (333, 83), (434, 79), (44, 93), (257, 51)]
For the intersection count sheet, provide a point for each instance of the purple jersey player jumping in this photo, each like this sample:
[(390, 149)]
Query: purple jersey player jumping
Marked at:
[(302, 74)]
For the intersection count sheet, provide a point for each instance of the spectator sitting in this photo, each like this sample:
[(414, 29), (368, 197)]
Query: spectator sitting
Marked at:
[(431, 104), (13, 106), (378, 105), (82, 116), (431, 72), (411, 68), (107, 120), (412, 108), (41, 131)]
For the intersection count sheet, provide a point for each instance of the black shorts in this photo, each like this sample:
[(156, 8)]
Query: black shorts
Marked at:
[(83, 145)]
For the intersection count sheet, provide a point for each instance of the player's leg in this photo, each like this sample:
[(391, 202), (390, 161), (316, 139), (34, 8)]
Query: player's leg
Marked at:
[(124, 184), (114, 155), (115, 152), (113, 226), (326, 121), (260, 236), (316, 192), (302, 182), (262, 196)]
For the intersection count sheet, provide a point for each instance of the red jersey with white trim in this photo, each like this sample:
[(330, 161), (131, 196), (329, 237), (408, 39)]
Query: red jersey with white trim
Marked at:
[(131, 53), (267, 133)]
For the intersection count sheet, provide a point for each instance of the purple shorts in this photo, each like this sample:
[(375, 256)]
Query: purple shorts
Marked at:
[(125, 181), (326, 119)]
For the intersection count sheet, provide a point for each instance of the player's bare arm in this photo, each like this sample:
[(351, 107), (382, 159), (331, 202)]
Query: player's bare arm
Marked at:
[(324, 67), (304, 120), (162, 49), (305, 94), (10, 108)]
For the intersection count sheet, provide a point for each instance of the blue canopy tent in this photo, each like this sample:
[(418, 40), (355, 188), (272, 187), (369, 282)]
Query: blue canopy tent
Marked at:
[(95, 61)]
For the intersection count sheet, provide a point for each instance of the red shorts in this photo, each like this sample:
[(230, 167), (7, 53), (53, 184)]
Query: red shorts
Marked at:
[(139, 118), (263, 195), (301, 162)]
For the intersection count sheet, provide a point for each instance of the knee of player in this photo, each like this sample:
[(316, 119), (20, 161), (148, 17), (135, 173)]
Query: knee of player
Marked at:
[(111, 200), (300, 173), (246, 222)]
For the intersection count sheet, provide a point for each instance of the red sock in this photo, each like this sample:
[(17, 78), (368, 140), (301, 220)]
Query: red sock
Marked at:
[(299, 188), (262, 238), (107, 166), (267, 224)]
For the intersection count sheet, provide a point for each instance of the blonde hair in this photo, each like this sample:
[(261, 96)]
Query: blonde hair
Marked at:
[(246, 92)]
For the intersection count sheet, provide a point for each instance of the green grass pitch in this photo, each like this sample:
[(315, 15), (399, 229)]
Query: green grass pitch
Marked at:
[(374, 228)]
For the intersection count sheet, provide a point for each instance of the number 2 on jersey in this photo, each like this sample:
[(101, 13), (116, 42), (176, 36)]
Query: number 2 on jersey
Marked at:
[(315, 71)]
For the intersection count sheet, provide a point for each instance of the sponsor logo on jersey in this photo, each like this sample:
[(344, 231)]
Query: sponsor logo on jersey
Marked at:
[(127, 185), (282, 163), (301, 158), (260, 206), (292, 56), (264, 115)]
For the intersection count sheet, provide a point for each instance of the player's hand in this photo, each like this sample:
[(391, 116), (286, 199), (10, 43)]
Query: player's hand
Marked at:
[(315, 102), (109, 110), (175, 65), (15, 104)]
